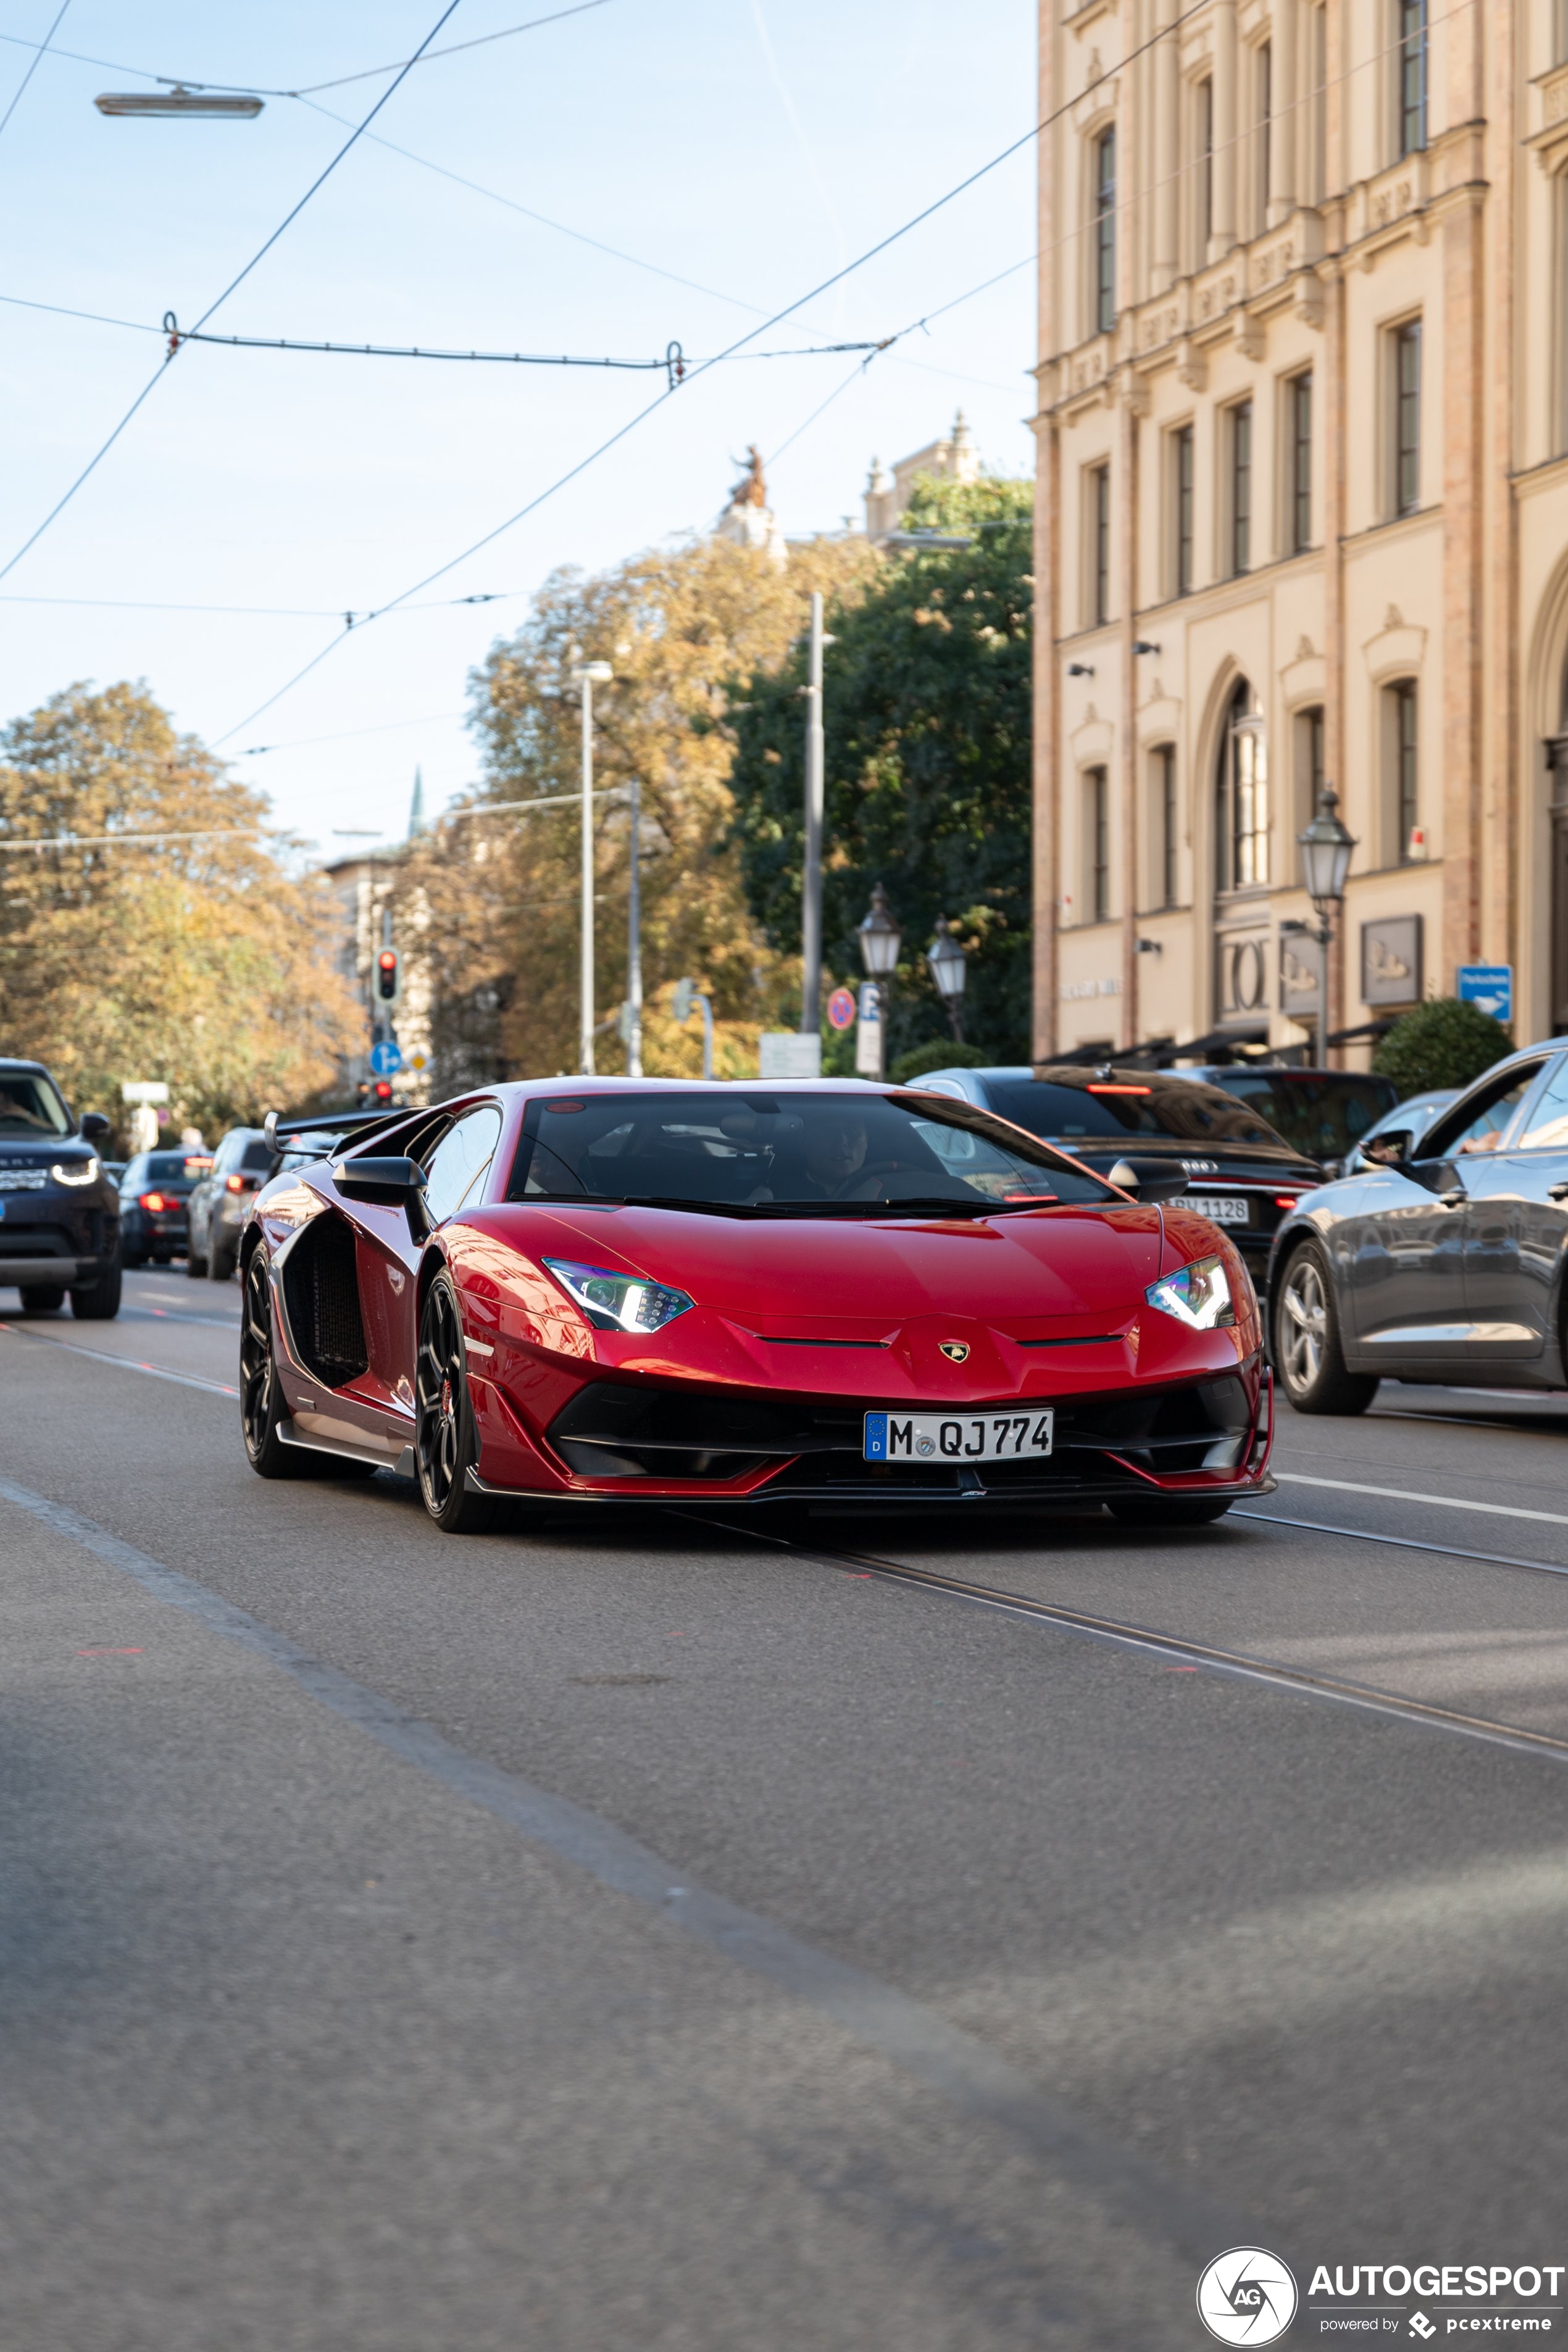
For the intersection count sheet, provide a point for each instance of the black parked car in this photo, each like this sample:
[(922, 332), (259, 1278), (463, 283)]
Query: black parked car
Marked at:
[(59, 1214), (154, 1191), (1154, 1125), (1323, 1114), (1449, 1262)]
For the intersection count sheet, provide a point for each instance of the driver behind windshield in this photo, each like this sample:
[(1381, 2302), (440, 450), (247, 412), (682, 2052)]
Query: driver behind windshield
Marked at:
[(835, 1154)]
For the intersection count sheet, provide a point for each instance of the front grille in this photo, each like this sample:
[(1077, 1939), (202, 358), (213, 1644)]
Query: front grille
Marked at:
[(612, 1431), (35, 1241)]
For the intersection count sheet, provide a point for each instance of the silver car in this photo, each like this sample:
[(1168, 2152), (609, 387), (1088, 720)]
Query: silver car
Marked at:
[(220, 1202), (1446, 1261)]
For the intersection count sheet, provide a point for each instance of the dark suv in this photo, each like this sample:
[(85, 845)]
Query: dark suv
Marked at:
[(59, 1212)]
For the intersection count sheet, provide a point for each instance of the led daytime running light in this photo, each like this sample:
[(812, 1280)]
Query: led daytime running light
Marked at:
[(76, 1172), (1198, 1295), (617, 1302)]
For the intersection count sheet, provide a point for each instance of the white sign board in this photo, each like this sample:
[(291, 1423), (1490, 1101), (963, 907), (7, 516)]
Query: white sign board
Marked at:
[(145, 1090), (787, 1054), (868, 1034)]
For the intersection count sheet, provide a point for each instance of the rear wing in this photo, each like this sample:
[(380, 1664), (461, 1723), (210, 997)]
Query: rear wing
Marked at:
[(336, 1130)]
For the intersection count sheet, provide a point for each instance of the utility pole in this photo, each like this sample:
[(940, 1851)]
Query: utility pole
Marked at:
[(586, 674), (633, 940), (811, 879)]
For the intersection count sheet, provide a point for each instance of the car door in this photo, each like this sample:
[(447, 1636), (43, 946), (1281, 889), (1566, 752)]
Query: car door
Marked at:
[(1516, 1226), (455, 1157), (1405, 1257)]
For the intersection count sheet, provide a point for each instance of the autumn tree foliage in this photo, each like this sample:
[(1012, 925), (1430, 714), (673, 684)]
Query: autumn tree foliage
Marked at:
[(927, 721), (203, 962), (492, 895)]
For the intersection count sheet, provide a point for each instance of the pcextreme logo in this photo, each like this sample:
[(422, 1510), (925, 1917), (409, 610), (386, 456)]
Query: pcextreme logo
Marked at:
[(1246, 2297)]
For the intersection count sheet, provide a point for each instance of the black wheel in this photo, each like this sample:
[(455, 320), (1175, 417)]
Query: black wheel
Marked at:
[(42, 1299), (130, 1259), (195, 1266), (1170, 1510), (261, 1402), (446, 1442), (220, 1265), (98, 1302), (1308, 1355)]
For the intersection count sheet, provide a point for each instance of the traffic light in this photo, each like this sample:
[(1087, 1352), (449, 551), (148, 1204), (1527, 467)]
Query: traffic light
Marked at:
[(382, 1090), (388, 976)]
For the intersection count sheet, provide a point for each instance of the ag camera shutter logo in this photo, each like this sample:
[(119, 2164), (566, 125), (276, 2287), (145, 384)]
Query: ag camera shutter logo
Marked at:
[(1246, 2297)]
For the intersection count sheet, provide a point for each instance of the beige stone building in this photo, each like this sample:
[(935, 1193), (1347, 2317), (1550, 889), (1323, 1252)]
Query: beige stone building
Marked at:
[(1303, 458)]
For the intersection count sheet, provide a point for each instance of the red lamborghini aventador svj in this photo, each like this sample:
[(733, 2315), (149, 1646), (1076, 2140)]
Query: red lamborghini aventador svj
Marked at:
[(638, 1291)]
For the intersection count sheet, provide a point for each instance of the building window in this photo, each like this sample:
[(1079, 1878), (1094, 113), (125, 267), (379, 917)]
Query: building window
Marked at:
[(1238, 426), (1316, 116), (1403, 796), (1203, 188), (1181, 507), (1165, 822), (1308, 733), (1105, 232), (1411, 57), (1559, 31), (1097, 821), (1298, 401), (1263, 85), (1241, 827), (1407, 389), (1098, 520)]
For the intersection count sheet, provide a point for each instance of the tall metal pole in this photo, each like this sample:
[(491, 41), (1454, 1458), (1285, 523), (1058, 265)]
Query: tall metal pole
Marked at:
[(634, 942), (585, 985), (811, 879)]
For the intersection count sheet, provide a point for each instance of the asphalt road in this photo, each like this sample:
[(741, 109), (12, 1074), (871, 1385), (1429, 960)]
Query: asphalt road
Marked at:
[(652, 1935)]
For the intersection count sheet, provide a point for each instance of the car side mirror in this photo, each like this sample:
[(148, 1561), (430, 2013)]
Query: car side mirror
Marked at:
[(94, 1127), (394, 1183), (1392, 1148), (1148, 1180)]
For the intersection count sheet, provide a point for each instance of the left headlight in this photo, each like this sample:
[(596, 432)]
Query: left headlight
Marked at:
[(617, 1302), (75, 1171), (1199, 1296)]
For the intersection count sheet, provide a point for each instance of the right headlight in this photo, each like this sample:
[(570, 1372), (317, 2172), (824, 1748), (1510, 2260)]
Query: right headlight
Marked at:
[(617, 1302), (1199, 1296)]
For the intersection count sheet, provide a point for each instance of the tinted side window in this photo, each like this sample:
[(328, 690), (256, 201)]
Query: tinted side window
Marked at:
[(1481, 1119), (460, 1159), (1547, 1130)]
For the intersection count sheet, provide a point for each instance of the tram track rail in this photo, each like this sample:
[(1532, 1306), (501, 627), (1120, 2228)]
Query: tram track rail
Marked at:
[(1200, 1656)]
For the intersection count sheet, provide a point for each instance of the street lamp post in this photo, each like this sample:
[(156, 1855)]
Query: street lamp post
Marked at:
[(586, 675), (811, 877), (880, 939), (1326, 849), (634, 938), (950, 970)]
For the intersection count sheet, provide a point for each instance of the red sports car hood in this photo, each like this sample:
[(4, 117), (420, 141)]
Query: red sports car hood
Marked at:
[(826, 1277)]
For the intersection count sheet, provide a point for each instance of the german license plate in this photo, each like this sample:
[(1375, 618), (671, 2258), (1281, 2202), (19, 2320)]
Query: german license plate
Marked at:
[(937, 1437), (1220, 1208)]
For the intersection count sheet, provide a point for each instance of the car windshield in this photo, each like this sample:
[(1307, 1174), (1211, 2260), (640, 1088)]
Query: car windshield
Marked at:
[(1322, 1114), (29, 1106), (1117, 1107), (797, 1154)]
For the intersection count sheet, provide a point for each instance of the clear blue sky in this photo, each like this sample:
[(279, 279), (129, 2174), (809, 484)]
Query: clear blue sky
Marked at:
[(748, 146)]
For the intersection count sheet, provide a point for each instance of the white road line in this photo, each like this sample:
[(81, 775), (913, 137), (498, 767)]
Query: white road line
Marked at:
[(1408, 1494), (123, 1364)]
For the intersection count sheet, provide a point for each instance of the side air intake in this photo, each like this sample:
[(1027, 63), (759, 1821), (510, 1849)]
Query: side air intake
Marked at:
[(321, 1287)]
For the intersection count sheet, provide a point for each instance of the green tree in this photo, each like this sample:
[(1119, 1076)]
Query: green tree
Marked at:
[(927, 723), (495, 897), (202, 963), (1443, 1043)]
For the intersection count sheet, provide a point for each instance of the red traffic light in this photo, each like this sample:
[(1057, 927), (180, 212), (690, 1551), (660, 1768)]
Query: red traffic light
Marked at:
[(384, 1090), (386, 975)]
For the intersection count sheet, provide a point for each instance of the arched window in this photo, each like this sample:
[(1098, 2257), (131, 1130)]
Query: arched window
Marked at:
[(1241, 797)]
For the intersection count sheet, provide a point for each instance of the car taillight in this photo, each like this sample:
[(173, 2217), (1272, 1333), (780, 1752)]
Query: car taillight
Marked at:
[(1286, 1200), (153, 1201), (237, 1183)]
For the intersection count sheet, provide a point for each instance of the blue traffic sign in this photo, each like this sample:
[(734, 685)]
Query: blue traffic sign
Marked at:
[(385, 1058), (1489, 987)]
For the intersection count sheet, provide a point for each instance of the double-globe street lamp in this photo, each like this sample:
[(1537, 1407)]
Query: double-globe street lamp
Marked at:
[(1326, 850), (950, 970), (880, 939)]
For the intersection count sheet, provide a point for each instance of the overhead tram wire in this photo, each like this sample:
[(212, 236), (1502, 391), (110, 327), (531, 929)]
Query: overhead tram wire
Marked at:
[(774, 320), (33, 68), (289, 217)]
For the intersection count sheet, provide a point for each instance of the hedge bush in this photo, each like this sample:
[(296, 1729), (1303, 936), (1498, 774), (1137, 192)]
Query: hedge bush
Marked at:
[(1442, 1044)]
